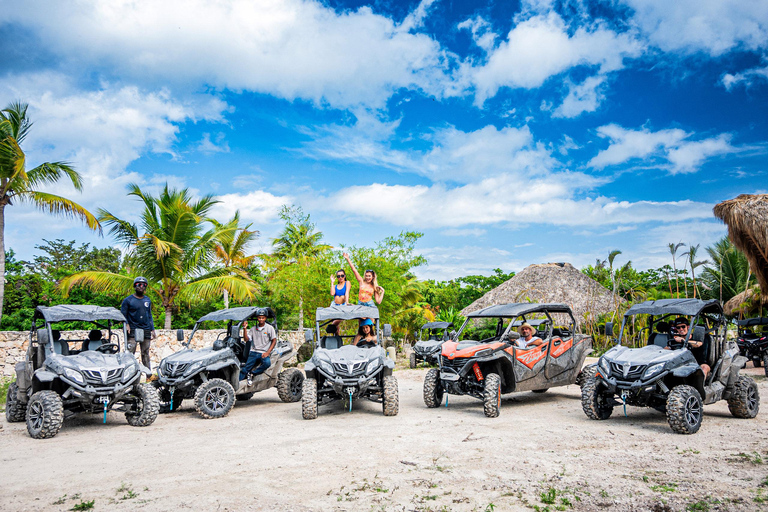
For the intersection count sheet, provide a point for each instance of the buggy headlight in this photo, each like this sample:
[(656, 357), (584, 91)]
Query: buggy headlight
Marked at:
[(74, 375), (372, 366), (129, 373), (327, 367), (194, 367), (484, 352), (653, 370), (604, 365)]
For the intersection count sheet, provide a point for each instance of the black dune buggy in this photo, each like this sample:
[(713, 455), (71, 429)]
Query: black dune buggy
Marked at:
[(490, 367), (672, 380), (63, 375), (211, 375), (347, 372), (431, 338), (753, 340)]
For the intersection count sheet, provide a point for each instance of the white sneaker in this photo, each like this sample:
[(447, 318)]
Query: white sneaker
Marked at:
[(250, 381)]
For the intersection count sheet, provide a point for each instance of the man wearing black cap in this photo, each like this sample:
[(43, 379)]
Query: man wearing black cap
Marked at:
[(137, 310), (698, 348)]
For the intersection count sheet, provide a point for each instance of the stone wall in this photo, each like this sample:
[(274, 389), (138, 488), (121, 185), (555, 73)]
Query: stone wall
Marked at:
[(13, 345)]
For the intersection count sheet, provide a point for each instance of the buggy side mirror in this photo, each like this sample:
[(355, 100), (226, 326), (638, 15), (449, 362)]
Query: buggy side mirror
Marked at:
[(387, 330), (138, 335), (308, 335), (42, 336), (180, 335), (609, 329)]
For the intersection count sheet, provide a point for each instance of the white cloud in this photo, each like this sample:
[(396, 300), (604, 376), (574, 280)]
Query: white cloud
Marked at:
[(541, 47), (712, 26), (453, 262), (583, 97), (293, 49), (219, 145), (671, 146), (482, 35), (463, 232), (257, 206), (747, 78)]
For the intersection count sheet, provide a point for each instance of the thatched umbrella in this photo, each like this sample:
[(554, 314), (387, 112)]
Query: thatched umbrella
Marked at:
[(552, 282), (740, 304), (747, 221)]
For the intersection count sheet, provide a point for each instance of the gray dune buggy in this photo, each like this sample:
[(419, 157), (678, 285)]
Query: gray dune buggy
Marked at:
[(347, 372), (428, 350), (211, 375), (487, 368), (752, 340), (62, 376), (671, 380)]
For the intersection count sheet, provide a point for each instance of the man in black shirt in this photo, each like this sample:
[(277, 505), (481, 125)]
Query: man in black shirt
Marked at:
[(137, 310)]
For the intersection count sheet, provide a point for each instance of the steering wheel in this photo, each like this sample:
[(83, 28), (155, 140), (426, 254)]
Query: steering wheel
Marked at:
[(366, 344), (108, 348)]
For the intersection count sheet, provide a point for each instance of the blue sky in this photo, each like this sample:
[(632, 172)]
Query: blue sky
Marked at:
[(509, 133)]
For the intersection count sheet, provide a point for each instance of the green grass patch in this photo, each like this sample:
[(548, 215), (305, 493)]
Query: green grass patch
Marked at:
[(5, 383), (84, 505), (668, 487)]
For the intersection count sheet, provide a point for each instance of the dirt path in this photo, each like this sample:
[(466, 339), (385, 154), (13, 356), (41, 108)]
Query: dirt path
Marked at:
[(541, 452)]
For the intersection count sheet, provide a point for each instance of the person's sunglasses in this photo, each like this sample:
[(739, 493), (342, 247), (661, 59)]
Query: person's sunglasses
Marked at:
[(143, 285), (681, 326), (340, 275)]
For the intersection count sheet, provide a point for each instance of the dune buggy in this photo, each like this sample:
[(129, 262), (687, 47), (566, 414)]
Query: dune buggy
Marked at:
[(347, 372), (487, 368), (63, 375), (671, 380), (752, 340), (211, 375), (428, 350)]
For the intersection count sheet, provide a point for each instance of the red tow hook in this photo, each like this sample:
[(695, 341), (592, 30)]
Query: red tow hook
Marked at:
[(478, 373)]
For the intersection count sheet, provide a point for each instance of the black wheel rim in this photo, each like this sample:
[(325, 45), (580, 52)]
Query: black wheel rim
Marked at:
[(36, 415), (296, 384), (751, 398), (216, 399), (692, 411)]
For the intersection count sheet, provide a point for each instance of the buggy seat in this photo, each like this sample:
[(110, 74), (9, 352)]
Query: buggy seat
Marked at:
[(660, 338), (94, 340)]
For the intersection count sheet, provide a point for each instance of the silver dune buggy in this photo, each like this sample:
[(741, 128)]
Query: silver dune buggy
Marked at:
[(427, 349), (347, 372), (62, 376), (211, 375)]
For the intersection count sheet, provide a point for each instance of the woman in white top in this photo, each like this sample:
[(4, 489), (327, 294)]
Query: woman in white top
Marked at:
[(527, 339)]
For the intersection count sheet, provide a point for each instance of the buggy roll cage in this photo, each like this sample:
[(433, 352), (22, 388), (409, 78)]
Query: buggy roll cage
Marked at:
[(519, 310), (74, 313), (234, 318)]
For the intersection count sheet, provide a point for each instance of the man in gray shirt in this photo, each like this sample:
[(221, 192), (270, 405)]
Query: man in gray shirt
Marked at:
[(264, 340)]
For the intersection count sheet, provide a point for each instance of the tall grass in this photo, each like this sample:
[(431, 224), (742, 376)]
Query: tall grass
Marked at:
[(5, 383)]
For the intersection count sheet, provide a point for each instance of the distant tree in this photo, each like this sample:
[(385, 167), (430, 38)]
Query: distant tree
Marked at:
[(727, 273), (673, 248), (691, 259), (62, 259), (17, 185), (231, 248)]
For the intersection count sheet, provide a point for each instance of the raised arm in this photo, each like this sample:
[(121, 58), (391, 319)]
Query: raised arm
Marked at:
[(354, 270), (378, 291), (333, 285)]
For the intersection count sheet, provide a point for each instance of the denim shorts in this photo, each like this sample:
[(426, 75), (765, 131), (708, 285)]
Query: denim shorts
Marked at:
[(369, 303)]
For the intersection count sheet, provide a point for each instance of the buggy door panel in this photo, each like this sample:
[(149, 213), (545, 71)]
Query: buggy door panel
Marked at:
[(559, 359), (529, 363)]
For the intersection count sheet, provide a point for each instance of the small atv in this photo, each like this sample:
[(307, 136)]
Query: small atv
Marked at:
[(754, 345), (671, 380), (347, 372), (211, 376), (490, 367), (428, 350), (62, 376)]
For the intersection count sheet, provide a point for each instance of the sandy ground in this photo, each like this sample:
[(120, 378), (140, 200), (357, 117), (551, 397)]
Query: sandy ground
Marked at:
[(542, 453)]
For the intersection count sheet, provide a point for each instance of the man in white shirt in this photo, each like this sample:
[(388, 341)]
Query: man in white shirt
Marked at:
[(527, 339), (264, 340)]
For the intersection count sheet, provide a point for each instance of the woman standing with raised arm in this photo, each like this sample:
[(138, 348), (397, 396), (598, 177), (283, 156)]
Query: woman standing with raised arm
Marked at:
[(369, 289)]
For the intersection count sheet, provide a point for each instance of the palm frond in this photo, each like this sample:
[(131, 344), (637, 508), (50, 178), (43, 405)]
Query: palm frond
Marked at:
[(122, 230), (97, 281), (211, 287), (52, 172), (58, 205)]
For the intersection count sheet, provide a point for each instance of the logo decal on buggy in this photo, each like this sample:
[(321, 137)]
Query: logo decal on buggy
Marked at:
[(531, 357), (561, 348)]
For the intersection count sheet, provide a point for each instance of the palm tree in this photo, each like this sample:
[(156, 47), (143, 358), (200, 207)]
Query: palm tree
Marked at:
[(729, 273), (21, 186), (298, 244), (173, 251), (691, 255), (673, 248), (231, 246)]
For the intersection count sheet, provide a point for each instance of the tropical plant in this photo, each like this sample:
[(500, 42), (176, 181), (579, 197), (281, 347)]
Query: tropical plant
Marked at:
[(173, 250), (673, 248), (17, 185), (691, 258), (727, 274), (231, 247)]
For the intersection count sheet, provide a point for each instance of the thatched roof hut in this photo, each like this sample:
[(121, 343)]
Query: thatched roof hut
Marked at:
[(747, 221), (551, 282), (740, 304)]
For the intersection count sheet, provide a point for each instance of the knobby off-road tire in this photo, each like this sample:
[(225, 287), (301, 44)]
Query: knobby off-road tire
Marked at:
[(289, 385), (145, 411), (757, 362), (390, 402), (244, 397), (412, 360), (492, 395), (45, 414), (594, 402), (684, 409), (309, 399), (745, 400), (214, 399), (15, 411), (586, 373), (433, 389)]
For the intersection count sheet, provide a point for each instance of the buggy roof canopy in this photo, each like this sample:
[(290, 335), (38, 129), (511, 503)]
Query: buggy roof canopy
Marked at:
[(688, 307), (346, 312), (760, 320), (534, 323), (436, 325), (85, 313), (235, 314), (518, 308)]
